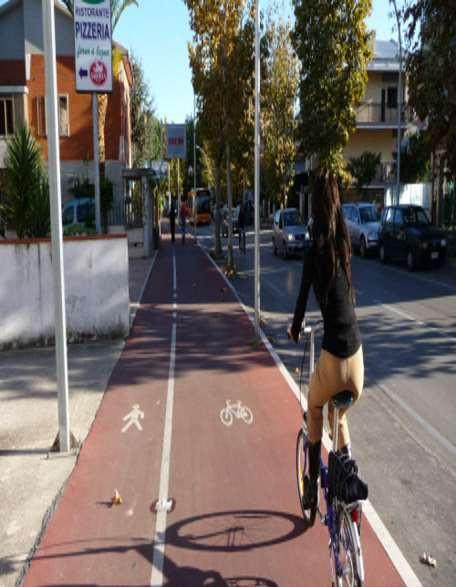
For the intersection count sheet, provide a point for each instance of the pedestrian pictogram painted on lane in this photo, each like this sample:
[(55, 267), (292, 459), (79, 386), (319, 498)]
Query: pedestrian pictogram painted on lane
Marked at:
[(133, 418)]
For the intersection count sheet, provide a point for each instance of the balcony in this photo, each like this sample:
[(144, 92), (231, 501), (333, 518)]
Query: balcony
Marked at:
[(378, 115)]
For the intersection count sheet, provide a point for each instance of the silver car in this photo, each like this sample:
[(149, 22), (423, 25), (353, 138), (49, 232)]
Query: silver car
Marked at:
[(363, 224), (289, 234)]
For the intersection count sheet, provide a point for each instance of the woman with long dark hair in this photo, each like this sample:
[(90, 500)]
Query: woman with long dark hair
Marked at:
[(340, 367)]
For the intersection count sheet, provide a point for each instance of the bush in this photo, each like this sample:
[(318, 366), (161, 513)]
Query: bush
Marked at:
[(26, 202)]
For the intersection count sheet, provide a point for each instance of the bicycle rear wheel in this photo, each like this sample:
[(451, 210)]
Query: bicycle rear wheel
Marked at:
[(350, 553), (302, 469)]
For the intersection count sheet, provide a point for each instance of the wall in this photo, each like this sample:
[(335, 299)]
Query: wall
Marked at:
[(378, 141), (96, 289)]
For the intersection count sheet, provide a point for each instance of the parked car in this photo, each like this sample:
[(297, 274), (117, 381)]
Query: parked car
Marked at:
[(79, 212), (407, 234), (289, 233), (363, 224)]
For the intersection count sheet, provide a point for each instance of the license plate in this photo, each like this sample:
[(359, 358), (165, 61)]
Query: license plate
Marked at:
[(434, 255)]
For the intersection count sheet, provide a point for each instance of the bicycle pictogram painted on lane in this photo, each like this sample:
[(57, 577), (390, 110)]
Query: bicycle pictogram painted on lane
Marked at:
[(236, 410)]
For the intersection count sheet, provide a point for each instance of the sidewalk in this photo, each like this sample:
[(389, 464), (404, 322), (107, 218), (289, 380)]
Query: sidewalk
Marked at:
[(29, 480), (226, 476)]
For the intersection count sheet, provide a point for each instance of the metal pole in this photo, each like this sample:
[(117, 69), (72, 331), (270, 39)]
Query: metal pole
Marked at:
[(96, 163), (399, 105), (194, 168), (178, 184), (56, 224), (257, 170)]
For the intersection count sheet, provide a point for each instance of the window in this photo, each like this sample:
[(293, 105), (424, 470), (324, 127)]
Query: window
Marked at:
[(368, 214), (391, 97), (68, 215), (277, 217), (63, 116), (85, 213), (292, 218), (399, 217), (389, 216), (6, 117)]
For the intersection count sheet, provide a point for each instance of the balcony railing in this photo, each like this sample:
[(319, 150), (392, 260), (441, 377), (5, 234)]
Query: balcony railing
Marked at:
[(377, 113)]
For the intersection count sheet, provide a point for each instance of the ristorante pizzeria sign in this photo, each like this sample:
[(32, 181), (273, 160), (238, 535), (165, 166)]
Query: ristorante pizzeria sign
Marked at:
[(93, 45)]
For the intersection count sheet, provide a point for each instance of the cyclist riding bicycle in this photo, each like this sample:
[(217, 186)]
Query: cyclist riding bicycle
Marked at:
[(340, 367)]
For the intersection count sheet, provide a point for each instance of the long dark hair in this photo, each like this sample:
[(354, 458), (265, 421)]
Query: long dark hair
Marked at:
[(330, 235)]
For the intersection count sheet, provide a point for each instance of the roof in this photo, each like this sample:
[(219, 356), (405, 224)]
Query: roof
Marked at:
[(10, 4), (386, 56)]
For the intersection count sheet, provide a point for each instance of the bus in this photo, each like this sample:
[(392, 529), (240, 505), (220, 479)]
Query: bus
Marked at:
[(199, 204)]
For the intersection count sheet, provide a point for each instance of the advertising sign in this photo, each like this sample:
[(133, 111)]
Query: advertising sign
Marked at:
[(93, 45), (176, 141)]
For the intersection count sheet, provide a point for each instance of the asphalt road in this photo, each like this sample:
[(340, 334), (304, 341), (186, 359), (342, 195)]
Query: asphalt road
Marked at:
[(403, 430)]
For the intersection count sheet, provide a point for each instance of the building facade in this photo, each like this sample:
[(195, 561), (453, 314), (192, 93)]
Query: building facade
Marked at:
[(377, 115), (23, 95)]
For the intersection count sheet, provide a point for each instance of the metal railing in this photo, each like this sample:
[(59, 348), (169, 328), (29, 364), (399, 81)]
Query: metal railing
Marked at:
[(377, 113)]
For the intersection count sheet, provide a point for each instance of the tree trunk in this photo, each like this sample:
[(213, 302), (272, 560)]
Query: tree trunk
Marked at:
[(230, 206), (102, 110), (217, 242)]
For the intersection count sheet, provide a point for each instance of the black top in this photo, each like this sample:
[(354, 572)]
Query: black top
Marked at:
[(341, 333)]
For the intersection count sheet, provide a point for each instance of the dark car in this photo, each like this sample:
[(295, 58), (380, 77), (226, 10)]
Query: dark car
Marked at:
[(407, 234)]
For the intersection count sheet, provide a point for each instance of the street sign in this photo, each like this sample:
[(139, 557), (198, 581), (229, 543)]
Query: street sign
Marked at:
[(176, 141), (93, 46)]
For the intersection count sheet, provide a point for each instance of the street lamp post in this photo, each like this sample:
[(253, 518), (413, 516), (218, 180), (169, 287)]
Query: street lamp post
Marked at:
[(257, 170), (194, 167), (399, 104)]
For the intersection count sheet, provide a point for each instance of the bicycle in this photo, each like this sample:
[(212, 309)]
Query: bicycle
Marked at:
[(343, 520)]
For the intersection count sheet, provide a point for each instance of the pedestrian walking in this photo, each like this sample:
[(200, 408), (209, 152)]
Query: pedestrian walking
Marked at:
[(183, 214), (172, 220)]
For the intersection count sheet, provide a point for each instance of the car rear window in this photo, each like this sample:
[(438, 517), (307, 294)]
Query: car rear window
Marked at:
[(368, 214)]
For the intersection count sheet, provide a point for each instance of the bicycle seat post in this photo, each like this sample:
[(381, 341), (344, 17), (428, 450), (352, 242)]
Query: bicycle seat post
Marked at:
[(308, 331), (336, 428)]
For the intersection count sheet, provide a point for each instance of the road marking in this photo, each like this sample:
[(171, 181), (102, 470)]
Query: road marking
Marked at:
[(174, 274), (133, 418), (236, 410), (399, 312), (394, 397), (391, 548), (159, 540)]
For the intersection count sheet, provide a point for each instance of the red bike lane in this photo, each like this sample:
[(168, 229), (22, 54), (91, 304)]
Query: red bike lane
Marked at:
[(231, 429)]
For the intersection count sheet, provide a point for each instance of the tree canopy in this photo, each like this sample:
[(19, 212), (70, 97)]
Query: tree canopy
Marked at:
[(334, 48)]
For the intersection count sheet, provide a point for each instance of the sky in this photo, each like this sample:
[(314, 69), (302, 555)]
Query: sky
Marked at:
[(157, 32)]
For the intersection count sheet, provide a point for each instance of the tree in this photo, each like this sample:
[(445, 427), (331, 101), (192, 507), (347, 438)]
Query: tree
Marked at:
[(26, 205), (117, 9), (280, 87), (415, 159), (364, 168), (432, 78), (217, 58), (142, 113), (334, 48)]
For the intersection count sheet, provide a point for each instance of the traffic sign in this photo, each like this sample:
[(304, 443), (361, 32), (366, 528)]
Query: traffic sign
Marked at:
[(176, 141), (93, 46)]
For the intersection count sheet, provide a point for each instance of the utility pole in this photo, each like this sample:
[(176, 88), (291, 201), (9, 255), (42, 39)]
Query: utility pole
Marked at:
[(399, 104), (96, 163), (257, 170), (56, 223)]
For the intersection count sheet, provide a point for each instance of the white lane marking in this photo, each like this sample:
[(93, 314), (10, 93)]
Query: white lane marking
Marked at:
[(236, 410), (174, 274), (399, 312), (133, 418), (411, 412), (159, 540), (391, 548)]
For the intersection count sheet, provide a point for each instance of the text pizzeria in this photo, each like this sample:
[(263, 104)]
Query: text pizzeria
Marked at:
[(92, 31)]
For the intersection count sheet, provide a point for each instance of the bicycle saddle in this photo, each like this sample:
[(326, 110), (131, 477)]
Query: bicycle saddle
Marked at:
[(343, 399)]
